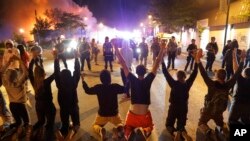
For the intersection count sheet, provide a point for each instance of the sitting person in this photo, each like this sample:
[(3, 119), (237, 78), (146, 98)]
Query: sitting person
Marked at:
[(108, 106)]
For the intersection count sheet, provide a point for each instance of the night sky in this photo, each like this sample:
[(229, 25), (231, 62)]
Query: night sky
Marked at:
[(122, 14)]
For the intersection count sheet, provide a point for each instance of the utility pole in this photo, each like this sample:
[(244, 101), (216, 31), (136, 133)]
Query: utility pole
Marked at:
[(226, 26)]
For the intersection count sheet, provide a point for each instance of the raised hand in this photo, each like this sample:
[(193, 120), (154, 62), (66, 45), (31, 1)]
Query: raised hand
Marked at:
[(199, 55), (243, 54)]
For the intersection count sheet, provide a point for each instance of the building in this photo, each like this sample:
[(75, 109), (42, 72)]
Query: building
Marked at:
[(212, 21)]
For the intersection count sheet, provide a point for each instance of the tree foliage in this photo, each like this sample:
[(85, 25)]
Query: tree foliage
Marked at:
[(41, 26), (175, 14)]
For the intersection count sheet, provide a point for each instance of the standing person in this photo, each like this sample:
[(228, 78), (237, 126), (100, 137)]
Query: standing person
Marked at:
[(108, 105), (228, 59), (127, 54), (171, 51), (191, 49), (247, 59), (36, 52), (212, 50), (217, 98), (155, 48), (60, 47), (95, 51), (9, 51), (45, 109), (240, 105), (14, 82), (224, 51), (108, 54), (144, 52), (67, 97), (139, 122), (24, 55), (4, 112), (179, 95), (84, 50)]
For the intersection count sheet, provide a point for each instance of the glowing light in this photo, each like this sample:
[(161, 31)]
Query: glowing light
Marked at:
[(101, 25), (21, 30), (72, 44), (62, 36), (138, 50), (149, 16), (85, 18), (68, 49), (141, 24)]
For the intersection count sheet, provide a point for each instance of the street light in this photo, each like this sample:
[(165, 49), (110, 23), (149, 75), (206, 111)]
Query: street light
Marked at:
[(21, 30), (150, 17), (101, 25)]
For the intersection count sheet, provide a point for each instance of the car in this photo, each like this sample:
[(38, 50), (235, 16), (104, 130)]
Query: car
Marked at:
[(67, 47)]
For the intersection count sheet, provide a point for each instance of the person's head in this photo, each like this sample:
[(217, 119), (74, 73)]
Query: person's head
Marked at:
[(125, 44), (9, 44), (106, 39), (66, 77), (143, 39), (181, 76), (36, 50), (229, 41), (140, 70), (93, 40), (39, 76), (234, 44), (193, 41), (105, 77), (172, 38), (11, 76), (247, 72), (212, 39), (155, 39), (21, 49), (221, 74)]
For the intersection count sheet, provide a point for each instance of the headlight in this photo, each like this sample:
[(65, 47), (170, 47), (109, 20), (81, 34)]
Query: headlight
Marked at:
[(73, 44), (68, 49), (138, 50)]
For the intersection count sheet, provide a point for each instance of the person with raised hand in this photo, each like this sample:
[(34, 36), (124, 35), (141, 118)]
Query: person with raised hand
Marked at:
[(67, 97), (179, 95), (139, 124), (216, 99)]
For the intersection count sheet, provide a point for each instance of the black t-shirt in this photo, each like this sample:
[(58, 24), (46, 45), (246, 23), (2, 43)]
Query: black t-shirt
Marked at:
[(140, 89), (243, 90), (190, 48), (107, 97)]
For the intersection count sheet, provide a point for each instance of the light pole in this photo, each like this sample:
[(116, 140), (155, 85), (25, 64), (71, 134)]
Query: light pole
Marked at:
[(226, 26)]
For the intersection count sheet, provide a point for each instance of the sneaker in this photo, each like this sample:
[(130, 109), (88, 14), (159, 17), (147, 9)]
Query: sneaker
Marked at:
[(120, 131), (103, 134), (59, 135), (186, 136), (140, 134), (178, 136)]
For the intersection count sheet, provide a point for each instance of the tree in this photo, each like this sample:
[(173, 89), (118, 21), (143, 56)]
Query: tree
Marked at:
[(175, 14), (41, 27), (64, 21)]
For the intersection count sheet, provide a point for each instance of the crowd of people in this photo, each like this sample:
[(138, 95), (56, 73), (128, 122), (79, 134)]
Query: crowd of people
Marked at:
[(17, 67)]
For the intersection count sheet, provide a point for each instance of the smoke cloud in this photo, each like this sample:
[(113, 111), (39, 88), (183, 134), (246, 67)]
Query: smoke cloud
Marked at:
[(16, 14)]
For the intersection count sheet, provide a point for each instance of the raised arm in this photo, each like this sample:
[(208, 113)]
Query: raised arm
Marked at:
[(232, 81), (235, 62), (204, 75), (168, 77), (122, 61), (31, 74), (87, 89), (24, 71), (56, 69), (159, 58), (77, 72)]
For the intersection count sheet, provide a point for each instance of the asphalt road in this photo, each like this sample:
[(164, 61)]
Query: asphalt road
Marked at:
[(159, 99)]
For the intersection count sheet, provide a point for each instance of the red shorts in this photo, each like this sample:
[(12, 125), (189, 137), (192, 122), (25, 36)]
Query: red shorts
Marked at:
[(133, 121)]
